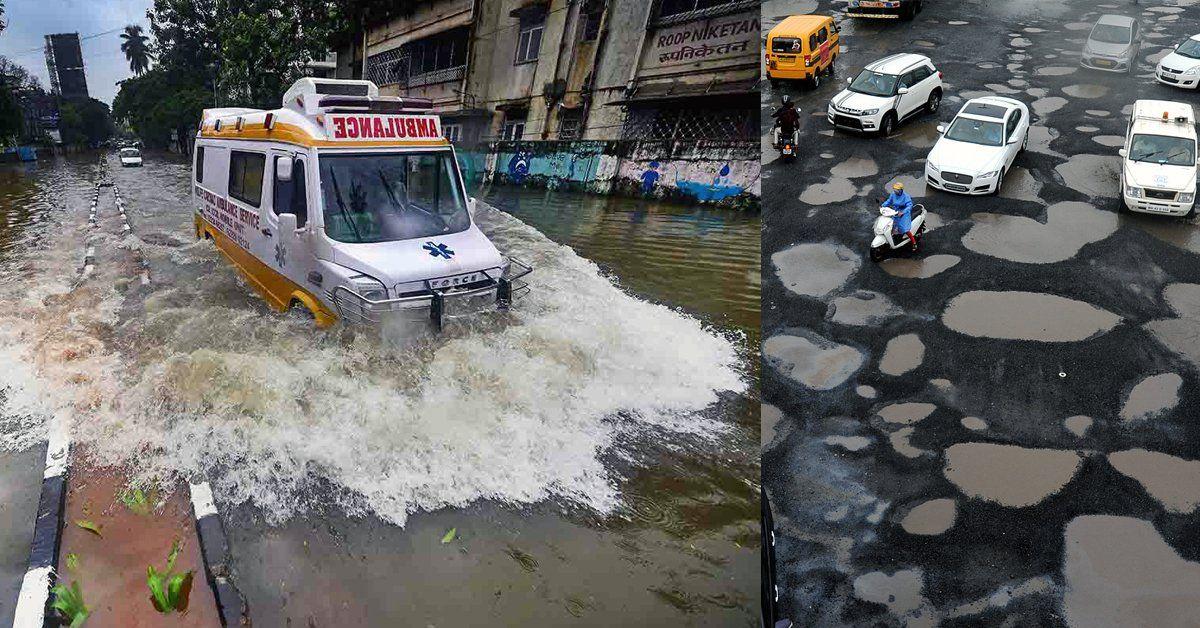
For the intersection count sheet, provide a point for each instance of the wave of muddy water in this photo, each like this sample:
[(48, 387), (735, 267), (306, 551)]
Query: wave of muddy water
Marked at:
[(192, 375)]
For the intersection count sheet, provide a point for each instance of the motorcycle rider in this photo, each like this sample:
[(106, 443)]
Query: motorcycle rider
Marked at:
[(902, 203), (787, 118)]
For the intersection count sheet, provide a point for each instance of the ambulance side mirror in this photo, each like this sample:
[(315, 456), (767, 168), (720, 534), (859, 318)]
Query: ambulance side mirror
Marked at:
[(471, 205), (287, 223), (283, 168), (1123, 152), (941, 129)]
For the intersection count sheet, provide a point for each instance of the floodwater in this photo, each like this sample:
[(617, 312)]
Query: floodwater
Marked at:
[(615, 395)]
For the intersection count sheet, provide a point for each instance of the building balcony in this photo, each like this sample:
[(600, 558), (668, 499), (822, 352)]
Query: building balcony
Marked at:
[(444, 75)]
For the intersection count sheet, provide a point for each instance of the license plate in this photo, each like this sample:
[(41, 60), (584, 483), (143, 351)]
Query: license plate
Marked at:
[(1104, 62), (1157, 208), (463, 306), (956, 188), (871, 4)]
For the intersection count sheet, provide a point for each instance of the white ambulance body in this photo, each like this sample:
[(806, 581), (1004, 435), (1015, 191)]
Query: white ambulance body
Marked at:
[(348, 204)]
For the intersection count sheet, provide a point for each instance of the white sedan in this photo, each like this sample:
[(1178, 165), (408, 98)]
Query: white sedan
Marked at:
[(979, 146), (1181, 68)]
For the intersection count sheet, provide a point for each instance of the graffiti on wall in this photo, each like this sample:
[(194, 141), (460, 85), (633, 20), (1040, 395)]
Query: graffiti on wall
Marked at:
[(721, 188)]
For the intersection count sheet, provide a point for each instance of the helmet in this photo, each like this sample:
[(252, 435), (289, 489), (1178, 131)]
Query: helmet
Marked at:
[(787, 99), (898, 186)]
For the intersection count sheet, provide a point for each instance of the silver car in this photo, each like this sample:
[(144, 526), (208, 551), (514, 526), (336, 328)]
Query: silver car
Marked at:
[(1113, 45)]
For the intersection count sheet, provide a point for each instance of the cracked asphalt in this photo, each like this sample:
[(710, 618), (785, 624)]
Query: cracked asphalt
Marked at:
[(999, 431)]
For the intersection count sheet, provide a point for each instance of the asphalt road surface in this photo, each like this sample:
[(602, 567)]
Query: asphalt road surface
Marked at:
[(999, 431)]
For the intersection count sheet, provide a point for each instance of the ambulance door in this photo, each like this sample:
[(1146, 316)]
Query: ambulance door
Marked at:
[(292, 254)]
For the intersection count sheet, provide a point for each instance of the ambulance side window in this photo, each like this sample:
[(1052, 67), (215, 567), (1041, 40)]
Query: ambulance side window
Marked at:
[(199, 164), (246, 176), (292, 196)]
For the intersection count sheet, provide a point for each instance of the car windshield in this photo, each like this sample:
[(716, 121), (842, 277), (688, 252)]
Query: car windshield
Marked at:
[(1111, 34), (129, 152), (388, 197), (874, 83), (1163, 149), (985, 132), (1189, 48)]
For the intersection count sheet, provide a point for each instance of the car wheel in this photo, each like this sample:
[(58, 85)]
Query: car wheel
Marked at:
[(888, 126), (909, 12), (816, 80), (876, 254), (935, 101), (1025, 144), (775, 83), (999, 184)]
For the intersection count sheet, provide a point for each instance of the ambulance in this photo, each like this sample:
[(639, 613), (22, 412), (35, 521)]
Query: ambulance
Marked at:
[(1158, 161), (349, 205)]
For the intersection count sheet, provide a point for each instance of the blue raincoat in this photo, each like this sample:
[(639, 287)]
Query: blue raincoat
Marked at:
[(903, 204)]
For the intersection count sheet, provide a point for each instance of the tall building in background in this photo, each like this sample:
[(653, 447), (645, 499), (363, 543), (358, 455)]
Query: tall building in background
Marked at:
[(64, 63)]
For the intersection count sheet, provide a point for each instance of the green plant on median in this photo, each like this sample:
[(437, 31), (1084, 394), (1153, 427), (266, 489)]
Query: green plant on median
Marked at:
[(69, 602), (136, 500), (169, 591)]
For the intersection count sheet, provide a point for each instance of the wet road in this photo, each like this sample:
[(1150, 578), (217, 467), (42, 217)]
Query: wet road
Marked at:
[(998, 432), (595, 448)]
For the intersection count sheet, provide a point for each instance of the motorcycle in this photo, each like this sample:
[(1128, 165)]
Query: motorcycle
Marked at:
[(785, 145), (886, 239)]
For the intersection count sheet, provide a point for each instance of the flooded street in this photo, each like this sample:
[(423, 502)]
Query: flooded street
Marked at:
[(605, 426), (997, 431)]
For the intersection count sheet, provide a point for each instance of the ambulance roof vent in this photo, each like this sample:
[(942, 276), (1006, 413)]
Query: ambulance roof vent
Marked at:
[(333, 87), (314, 96)]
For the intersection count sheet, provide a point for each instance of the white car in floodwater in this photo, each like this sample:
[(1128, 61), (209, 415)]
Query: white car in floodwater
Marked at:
[(886, 93), (1158, 171), (979, 146), (1181, 68), (131, 157), (1113, 44)]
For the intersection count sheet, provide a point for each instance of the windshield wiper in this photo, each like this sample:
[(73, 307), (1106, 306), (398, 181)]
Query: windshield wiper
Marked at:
[(337, 194)]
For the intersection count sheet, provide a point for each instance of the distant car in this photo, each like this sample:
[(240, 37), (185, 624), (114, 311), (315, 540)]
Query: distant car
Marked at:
[(979, 146), (1181, 68), (884, 9), (131, 157), (1113, 44), (1158, 171), (886, 93)]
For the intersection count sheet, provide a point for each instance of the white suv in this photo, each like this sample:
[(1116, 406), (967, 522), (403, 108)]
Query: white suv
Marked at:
[(1181, 68), (886, 93), (1158, 174)]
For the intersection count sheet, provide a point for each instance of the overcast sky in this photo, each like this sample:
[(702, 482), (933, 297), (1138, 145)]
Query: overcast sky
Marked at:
[(29, 21)]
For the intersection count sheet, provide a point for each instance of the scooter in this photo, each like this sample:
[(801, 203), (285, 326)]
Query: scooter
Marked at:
[(886, 239), (785, 145)]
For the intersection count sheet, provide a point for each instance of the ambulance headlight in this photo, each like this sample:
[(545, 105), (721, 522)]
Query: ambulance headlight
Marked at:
[(368, 288), (1187, 198), (1133, 192)]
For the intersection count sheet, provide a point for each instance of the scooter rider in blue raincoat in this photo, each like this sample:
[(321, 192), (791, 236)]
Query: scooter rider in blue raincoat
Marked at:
[(902, 203)]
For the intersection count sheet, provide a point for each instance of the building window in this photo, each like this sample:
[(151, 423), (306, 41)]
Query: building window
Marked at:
[(438, 58), (513, 130), (529, 43), (452, 132), (570, 123), (716, 122), (591, 15)]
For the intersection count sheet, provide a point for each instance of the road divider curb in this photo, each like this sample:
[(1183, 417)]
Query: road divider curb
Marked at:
[(214, 549), (33, 603)]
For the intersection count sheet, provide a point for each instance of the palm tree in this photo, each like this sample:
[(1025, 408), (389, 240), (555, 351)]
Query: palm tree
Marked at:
[(135, 48)]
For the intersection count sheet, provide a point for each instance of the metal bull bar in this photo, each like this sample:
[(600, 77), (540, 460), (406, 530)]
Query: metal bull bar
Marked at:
[(440, 302)]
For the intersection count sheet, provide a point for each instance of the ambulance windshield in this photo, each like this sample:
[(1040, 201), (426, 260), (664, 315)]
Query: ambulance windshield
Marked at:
[(386, 197)]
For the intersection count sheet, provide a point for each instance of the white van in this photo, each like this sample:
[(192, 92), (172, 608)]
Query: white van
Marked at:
[(348, 204), (130, 157), (1158, 168)]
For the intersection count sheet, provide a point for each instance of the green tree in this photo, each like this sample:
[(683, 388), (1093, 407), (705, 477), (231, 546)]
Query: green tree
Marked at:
[(84, 121), (136, 48)]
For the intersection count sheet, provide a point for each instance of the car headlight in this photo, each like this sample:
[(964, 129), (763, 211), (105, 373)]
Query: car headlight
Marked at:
[(1187, 198), (870, 112), (368, 288), (933, 167), (1193, 72), (1133, 192), (989, 175)]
